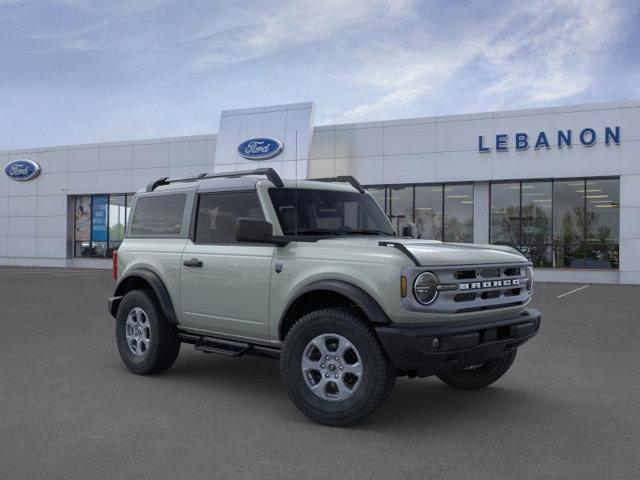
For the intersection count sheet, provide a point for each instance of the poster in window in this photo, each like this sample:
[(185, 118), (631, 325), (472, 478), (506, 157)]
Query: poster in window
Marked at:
[(99, 207), (83, 218)]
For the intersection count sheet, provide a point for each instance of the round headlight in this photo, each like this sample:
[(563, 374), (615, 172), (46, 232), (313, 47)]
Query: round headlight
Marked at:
[(425, 288), (528, 273)]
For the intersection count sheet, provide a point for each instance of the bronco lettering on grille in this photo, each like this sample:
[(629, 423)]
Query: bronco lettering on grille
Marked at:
[(489, 284)]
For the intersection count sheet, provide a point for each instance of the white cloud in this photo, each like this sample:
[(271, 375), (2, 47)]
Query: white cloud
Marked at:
[(288, 24), (544, 52), (554, 63)]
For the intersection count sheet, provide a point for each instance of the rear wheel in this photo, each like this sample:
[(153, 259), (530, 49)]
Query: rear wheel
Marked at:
[(334, 369), (479, 376), (147, 343)]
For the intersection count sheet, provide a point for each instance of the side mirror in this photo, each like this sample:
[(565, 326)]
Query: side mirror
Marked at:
[(254, 230), (410, 230)]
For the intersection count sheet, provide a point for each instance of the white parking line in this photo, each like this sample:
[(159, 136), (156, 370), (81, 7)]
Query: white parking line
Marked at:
[(573, 291)]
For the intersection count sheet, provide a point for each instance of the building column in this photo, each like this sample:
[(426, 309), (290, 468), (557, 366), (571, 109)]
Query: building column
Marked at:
[(481, 210), (629, 229)]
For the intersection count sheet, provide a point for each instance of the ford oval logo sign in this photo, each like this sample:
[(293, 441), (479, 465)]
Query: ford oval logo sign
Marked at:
[(22, 170), (260, 148)]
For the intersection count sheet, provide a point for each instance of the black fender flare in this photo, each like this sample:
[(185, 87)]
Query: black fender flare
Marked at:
[(365, 302), (162, 294)]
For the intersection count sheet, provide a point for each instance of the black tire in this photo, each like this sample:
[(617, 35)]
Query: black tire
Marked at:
[(164, 344), (479, 377), (375, 384)]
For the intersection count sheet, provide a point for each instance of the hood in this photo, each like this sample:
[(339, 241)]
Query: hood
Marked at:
[(436, 253)]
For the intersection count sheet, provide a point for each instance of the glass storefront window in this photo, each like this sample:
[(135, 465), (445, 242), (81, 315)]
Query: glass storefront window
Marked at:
[(440, 212), (505, 214), (569, 223), (379, 194), (428, 211), (99, 223), (400, 201), (563, 223), (117, 221), (603, 223), (458, 213), (535, 243), (82, 226)]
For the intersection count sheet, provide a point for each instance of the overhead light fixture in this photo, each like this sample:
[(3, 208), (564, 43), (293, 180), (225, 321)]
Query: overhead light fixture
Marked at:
[(597, 196), (541, 200), (457, 196), (589, 190), (467, 201), (611, 205)]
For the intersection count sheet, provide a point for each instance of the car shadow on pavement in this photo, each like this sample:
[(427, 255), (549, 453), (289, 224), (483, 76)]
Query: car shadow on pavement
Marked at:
[(413, 404)]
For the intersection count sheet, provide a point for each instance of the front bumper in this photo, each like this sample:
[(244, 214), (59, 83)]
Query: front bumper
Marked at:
[(426, 350)]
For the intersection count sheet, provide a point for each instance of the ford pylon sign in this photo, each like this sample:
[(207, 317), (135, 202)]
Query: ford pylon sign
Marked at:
[(22, 170), (260, 148)]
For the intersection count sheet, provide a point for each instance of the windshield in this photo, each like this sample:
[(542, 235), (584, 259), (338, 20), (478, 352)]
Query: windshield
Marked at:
[(328, 212)]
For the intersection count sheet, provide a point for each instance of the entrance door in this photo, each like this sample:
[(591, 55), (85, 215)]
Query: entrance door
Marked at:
[(225, 284)]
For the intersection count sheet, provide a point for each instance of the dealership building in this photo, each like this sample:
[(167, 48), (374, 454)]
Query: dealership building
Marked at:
[(561, 184)]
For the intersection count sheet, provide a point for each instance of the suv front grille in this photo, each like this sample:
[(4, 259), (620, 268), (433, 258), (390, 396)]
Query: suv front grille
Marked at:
[(468, 289)]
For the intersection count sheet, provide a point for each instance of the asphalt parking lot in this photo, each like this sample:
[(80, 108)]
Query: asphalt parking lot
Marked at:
[(569, 407)]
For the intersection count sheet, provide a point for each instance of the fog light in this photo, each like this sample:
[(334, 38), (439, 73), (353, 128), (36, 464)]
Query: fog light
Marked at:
[(425, 288)]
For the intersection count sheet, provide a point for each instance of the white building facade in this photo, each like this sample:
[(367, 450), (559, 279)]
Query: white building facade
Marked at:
[(561, 184)]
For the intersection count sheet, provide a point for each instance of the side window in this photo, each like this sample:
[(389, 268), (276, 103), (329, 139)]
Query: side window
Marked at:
[(218, 212), (158, 215)]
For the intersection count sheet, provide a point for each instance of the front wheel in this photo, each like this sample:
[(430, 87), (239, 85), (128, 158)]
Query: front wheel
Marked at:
[(479, 376), (334, 369)]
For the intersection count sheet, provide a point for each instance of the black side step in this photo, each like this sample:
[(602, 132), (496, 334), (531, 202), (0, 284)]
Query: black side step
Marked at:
[(226, 347), (222, 349)]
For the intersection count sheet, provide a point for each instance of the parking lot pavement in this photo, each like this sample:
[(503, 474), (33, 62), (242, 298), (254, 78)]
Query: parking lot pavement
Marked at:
[(568, 408)]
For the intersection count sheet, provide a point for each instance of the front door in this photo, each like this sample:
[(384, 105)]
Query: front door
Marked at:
[(225, 284)]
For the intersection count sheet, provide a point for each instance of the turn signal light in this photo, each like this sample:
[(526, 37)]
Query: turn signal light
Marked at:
[(403, 286)]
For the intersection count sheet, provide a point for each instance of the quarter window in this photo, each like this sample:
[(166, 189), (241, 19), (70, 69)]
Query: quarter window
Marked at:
[(218, 212), (158, 215)]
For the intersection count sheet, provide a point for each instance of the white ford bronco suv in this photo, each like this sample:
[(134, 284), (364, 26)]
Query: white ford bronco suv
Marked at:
[(312, 273)]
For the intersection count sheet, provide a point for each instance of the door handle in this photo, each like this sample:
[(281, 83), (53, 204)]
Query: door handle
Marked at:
[(193, 262)]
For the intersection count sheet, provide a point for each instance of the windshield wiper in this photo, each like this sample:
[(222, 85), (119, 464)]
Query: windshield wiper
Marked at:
[(320, 231), (368, 232), (315, 231)]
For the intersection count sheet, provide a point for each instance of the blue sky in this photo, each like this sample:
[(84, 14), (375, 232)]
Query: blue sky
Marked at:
[(77, 71)]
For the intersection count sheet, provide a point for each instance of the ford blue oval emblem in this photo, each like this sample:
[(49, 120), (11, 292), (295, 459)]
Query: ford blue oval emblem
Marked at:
[(260, 148), (22, 170)]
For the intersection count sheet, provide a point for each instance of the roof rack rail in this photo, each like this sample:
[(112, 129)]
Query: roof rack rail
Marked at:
[(270, 173), (342, 178)]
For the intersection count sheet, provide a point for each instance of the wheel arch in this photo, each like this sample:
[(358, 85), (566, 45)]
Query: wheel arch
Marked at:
[(139, 279), (325, 293)]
